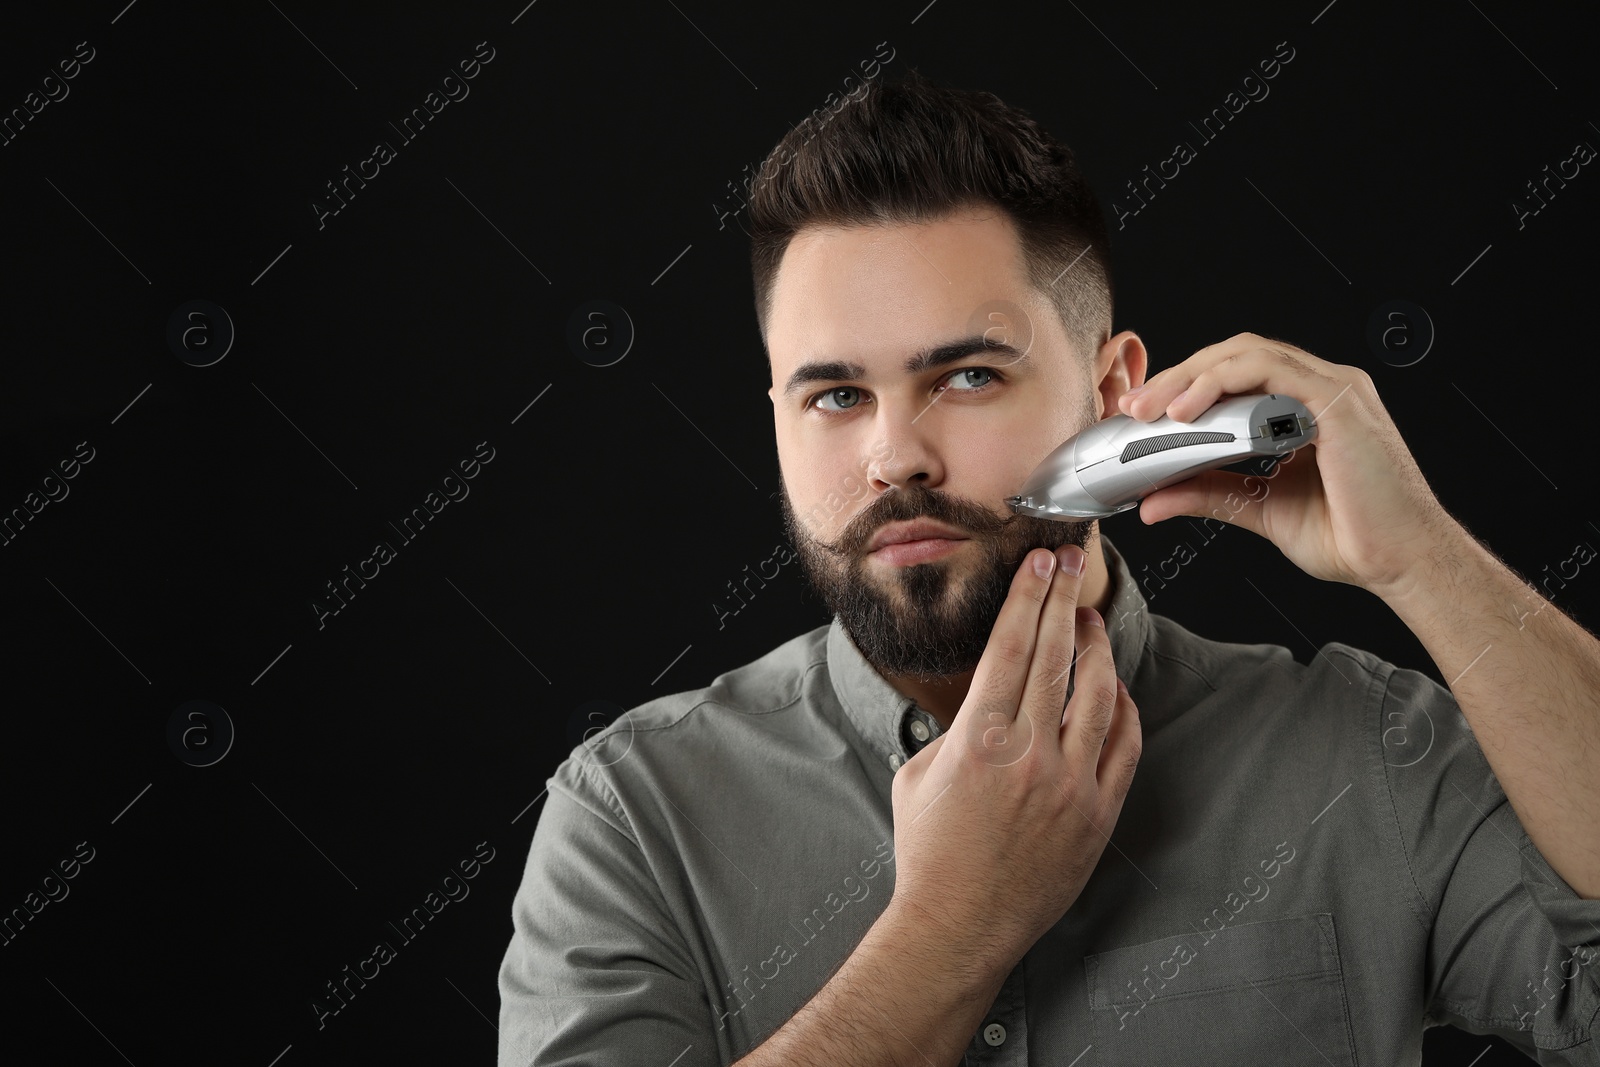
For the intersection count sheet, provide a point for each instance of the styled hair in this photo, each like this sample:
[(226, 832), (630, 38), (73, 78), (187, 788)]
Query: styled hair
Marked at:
[(914, 152)]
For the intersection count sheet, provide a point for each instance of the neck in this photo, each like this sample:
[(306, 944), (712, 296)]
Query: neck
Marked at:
[(943, 697)]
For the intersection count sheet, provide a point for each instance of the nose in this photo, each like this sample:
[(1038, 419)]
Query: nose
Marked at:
[(904, 456)]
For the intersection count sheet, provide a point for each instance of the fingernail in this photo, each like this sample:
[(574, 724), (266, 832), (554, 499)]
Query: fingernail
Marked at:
[(1092, 617), (1121, 685), (1072, 559), (1043, 564)]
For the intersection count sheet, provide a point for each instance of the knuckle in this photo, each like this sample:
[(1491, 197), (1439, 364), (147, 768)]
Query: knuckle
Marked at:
[(1052, 661), (1010, 650), (1095, 645), (1098, 690), (990, 727), (1029, 772), (1102, 704), (1064, 589)]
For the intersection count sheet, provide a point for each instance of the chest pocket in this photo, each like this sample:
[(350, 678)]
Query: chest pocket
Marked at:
[(1261, 992)]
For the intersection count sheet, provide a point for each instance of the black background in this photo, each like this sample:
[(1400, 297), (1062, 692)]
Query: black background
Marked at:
[(591, 160)]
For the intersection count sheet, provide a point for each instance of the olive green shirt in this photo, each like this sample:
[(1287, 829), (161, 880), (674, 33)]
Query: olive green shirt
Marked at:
[(1313, 864)]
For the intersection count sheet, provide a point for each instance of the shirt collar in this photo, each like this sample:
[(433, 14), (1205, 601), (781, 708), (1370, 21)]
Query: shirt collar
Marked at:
[(890, 721)]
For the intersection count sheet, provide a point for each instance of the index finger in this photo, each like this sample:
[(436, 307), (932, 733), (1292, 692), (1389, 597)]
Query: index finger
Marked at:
[(1003, 668)]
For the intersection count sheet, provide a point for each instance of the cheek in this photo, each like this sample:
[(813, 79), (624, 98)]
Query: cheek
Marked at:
[(1038, 433), (994, 465), (824, 496)]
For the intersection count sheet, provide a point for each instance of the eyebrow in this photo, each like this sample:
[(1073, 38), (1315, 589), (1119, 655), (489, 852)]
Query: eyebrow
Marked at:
[(928, 358)]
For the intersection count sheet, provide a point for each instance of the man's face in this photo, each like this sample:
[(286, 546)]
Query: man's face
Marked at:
[(863, 447)]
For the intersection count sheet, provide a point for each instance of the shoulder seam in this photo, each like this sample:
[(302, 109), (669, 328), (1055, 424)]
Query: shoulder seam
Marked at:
[(703, 700), (607, 797)]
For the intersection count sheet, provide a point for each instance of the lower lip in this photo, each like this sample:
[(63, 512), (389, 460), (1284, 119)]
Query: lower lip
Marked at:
[(921, 551)]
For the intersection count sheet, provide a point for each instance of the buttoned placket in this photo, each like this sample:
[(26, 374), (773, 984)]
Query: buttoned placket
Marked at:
[(1001, 1039)]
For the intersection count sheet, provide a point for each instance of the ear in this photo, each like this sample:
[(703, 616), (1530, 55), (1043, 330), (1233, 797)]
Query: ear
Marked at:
[(1120, 365)]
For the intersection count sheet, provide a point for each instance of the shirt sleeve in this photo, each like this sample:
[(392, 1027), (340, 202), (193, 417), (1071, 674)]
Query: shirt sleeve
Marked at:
[(597, 971), (1512, 950)]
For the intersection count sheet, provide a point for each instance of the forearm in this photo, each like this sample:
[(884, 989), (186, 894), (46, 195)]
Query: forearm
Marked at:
[(1527, 678), (900, 1000)]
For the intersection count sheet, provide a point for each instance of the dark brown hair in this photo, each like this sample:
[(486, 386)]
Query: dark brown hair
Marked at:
[(910, 152)]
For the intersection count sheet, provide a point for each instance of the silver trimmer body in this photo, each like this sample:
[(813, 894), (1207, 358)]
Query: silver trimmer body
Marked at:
[(1112, 465)]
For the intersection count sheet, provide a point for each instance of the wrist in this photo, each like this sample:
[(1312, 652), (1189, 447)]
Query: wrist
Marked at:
[(1437, 557), (1462, 595), (972, 963)]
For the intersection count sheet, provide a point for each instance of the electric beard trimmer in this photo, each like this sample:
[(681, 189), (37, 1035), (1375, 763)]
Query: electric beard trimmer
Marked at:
[(1112, 465)]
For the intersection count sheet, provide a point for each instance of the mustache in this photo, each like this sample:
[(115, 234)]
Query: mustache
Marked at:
[(917, 502)]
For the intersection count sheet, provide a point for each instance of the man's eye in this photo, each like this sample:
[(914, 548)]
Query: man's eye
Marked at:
[(844, 393), (957, 376)]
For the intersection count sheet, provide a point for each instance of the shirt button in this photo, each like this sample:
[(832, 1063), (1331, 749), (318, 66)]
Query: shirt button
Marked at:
[(919, 729), (994, 1033), (895, 761)]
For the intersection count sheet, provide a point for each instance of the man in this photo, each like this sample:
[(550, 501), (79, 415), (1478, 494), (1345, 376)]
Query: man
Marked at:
[(998, 812)]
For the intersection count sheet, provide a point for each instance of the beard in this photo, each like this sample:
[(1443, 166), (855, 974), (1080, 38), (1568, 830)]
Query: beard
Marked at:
[(927, 620)]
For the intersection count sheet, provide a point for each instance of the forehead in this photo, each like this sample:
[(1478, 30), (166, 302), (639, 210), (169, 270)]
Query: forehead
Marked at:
[(862, 289)]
